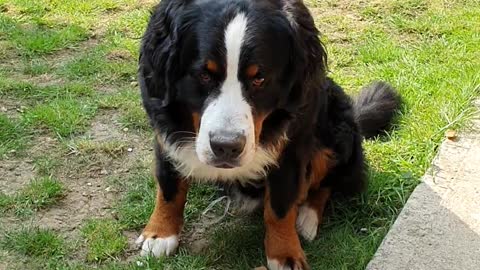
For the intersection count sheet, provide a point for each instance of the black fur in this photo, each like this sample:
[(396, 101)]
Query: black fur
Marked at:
[(303, 103), (375, 107), (165, 174)]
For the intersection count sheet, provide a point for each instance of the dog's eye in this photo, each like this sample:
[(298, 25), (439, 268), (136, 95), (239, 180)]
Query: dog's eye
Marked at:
[(205, 77), (258, 82)]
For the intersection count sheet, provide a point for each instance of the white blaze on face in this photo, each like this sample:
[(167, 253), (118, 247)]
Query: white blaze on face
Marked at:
[(229, 111)]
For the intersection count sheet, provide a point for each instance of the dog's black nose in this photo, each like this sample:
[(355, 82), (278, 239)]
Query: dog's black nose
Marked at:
[(227, 146)]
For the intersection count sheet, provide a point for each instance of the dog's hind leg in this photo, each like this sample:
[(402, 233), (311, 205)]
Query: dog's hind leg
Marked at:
[(310, 213)]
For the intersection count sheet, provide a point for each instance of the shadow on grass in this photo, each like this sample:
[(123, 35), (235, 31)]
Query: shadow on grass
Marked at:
[(349, 236)]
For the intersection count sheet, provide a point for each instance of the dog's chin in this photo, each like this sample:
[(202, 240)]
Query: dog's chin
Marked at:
[(225, 164), (222, 164)]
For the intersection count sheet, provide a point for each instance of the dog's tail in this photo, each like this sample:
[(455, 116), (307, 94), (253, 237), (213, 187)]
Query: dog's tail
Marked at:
[(375, 107)]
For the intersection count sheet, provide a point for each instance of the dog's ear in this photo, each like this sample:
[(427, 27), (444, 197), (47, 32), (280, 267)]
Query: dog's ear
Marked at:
[(160, 52), (309, 55)]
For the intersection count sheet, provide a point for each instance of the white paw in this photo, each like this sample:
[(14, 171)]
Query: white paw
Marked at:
[(158, 246), (276, 265), (307, 222)]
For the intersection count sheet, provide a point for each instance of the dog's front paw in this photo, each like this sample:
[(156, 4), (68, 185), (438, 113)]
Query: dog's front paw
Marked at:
[(289, 263), (157, 246), (284, 252)]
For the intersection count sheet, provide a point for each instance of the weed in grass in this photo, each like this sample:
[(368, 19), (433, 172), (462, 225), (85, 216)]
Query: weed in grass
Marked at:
[(104, 239), (34, 241), (64, 117), (113, 148)]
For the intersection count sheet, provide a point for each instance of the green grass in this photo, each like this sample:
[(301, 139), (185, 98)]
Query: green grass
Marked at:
[(39, 193), (111, 62), (34, 242), (64, 61), (137, 204), (13, 136), (104, 239), (34, 93), (34, 39), (36, 67), (5, 202), (46, 166), (128, 101), (63, 117)]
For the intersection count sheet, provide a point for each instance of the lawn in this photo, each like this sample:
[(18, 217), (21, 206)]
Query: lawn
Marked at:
[(75, 146)]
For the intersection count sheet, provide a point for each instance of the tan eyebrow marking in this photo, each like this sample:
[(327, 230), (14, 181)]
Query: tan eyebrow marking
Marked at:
[(212, 66), (252, 71)]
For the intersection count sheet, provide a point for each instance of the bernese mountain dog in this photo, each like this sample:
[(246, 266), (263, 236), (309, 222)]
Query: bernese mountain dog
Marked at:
[(237, 93)]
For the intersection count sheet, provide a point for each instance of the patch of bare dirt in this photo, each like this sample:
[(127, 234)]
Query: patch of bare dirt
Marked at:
[(8, 261), (14, 174), (119, 55), (87, 177), (46, 80), (7, 50), (86, 198), (42, 144), (106, 126), (11, 107), (108, 89)]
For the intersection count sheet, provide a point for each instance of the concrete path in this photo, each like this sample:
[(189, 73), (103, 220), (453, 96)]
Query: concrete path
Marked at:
[(439, 227)]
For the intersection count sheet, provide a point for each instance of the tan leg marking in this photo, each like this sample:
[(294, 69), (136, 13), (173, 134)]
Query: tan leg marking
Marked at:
[(282, 244), (322, 162), (167, 217), (160, 236), (310, 212)]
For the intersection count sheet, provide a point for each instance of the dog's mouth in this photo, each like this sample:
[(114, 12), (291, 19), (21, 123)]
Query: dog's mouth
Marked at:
[(223, 164), (226, 163)]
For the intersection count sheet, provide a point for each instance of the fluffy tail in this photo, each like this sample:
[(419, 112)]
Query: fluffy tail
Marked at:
[(375, 107)]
